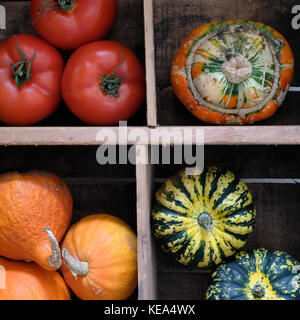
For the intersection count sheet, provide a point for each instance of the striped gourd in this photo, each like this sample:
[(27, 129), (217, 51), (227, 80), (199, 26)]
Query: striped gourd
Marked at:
[(234, 72), (201, 219), (257, 275)]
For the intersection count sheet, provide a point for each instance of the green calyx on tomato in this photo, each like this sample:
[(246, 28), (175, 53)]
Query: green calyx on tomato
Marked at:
[(65, 5), (110, 83), (20, 71)]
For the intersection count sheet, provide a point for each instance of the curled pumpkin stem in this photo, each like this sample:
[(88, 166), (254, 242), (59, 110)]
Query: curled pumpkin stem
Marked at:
[(111, 83), (77, 267), (20, 71), (65, 5), (55, 259)]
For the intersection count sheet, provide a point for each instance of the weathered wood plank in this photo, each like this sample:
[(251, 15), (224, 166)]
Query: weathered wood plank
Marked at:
[(146, 247), (68, 162), (248, 162), (175, 19), (150, 64), (253, 135), (178, 286)]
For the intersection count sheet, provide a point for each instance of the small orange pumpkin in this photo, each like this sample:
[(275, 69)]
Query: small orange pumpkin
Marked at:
[(35, 212), (100, 258), (28, 281)]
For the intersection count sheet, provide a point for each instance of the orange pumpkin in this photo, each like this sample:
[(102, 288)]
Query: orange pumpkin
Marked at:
[(35, 212), (233, 72), (28, 281), (100, 258)]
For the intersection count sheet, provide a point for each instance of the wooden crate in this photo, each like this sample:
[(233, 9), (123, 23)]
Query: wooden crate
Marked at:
[(127, 29), (271, 173), (154, 30), (95, 189), (175, 19)]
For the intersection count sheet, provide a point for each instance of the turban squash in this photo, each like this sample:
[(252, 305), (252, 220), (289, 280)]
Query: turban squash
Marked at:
[(257, 275), (35, 211), (201, 219), (100, 258), (234, 72), (28, 281)]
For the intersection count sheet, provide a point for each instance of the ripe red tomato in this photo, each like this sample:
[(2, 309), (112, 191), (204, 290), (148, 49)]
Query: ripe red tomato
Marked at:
[(103, 83), (68, 24), (30, 79)]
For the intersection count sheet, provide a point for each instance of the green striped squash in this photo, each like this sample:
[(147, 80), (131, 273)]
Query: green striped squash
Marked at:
[(201, 219), (257, 275)]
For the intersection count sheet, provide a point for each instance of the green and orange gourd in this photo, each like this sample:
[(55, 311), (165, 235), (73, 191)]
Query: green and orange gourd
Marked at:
[(233, 72)]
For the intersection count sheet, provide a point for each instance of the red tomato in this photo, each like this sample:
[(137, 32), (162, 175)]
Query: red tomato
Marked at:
[(103, 83), (29, 90), (68, 24)]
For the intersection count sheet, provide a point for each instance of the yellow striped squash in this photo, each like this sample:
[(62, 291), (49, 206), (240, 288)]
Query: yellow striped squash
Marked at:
[(201, 219)]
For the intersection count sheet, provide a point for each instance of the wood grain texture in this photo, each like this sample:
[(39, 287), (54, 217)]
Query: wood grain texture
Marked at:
[(67, 162), (127, 29), (146, 248), (150, 64), (248, 162), (254, 135), (175, 19)]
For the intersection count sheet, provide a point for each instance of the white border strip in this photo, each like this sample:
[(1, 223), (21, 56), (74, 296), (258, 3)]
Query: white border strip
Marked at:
[(258, 180), (278, 181), (294, 89)]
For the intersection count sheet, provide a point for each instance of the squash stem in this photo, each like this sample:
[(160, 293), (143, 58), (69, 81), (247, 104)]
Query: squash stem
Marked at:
[(258, 290), (237, 69), (205, 221), (77, 267), (55, 259)]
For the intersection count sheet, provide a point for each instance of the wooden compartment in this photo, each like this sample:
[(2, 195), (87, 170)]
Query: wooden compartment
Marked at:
[(95, 188), (173, 20), (272, 176), (128, 29)]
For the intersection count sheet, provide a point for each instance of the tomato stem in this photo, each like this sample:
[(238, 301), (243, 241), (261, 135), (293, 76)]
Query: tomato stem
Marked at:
[(20, 71), (111, 83), (65, 5)]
